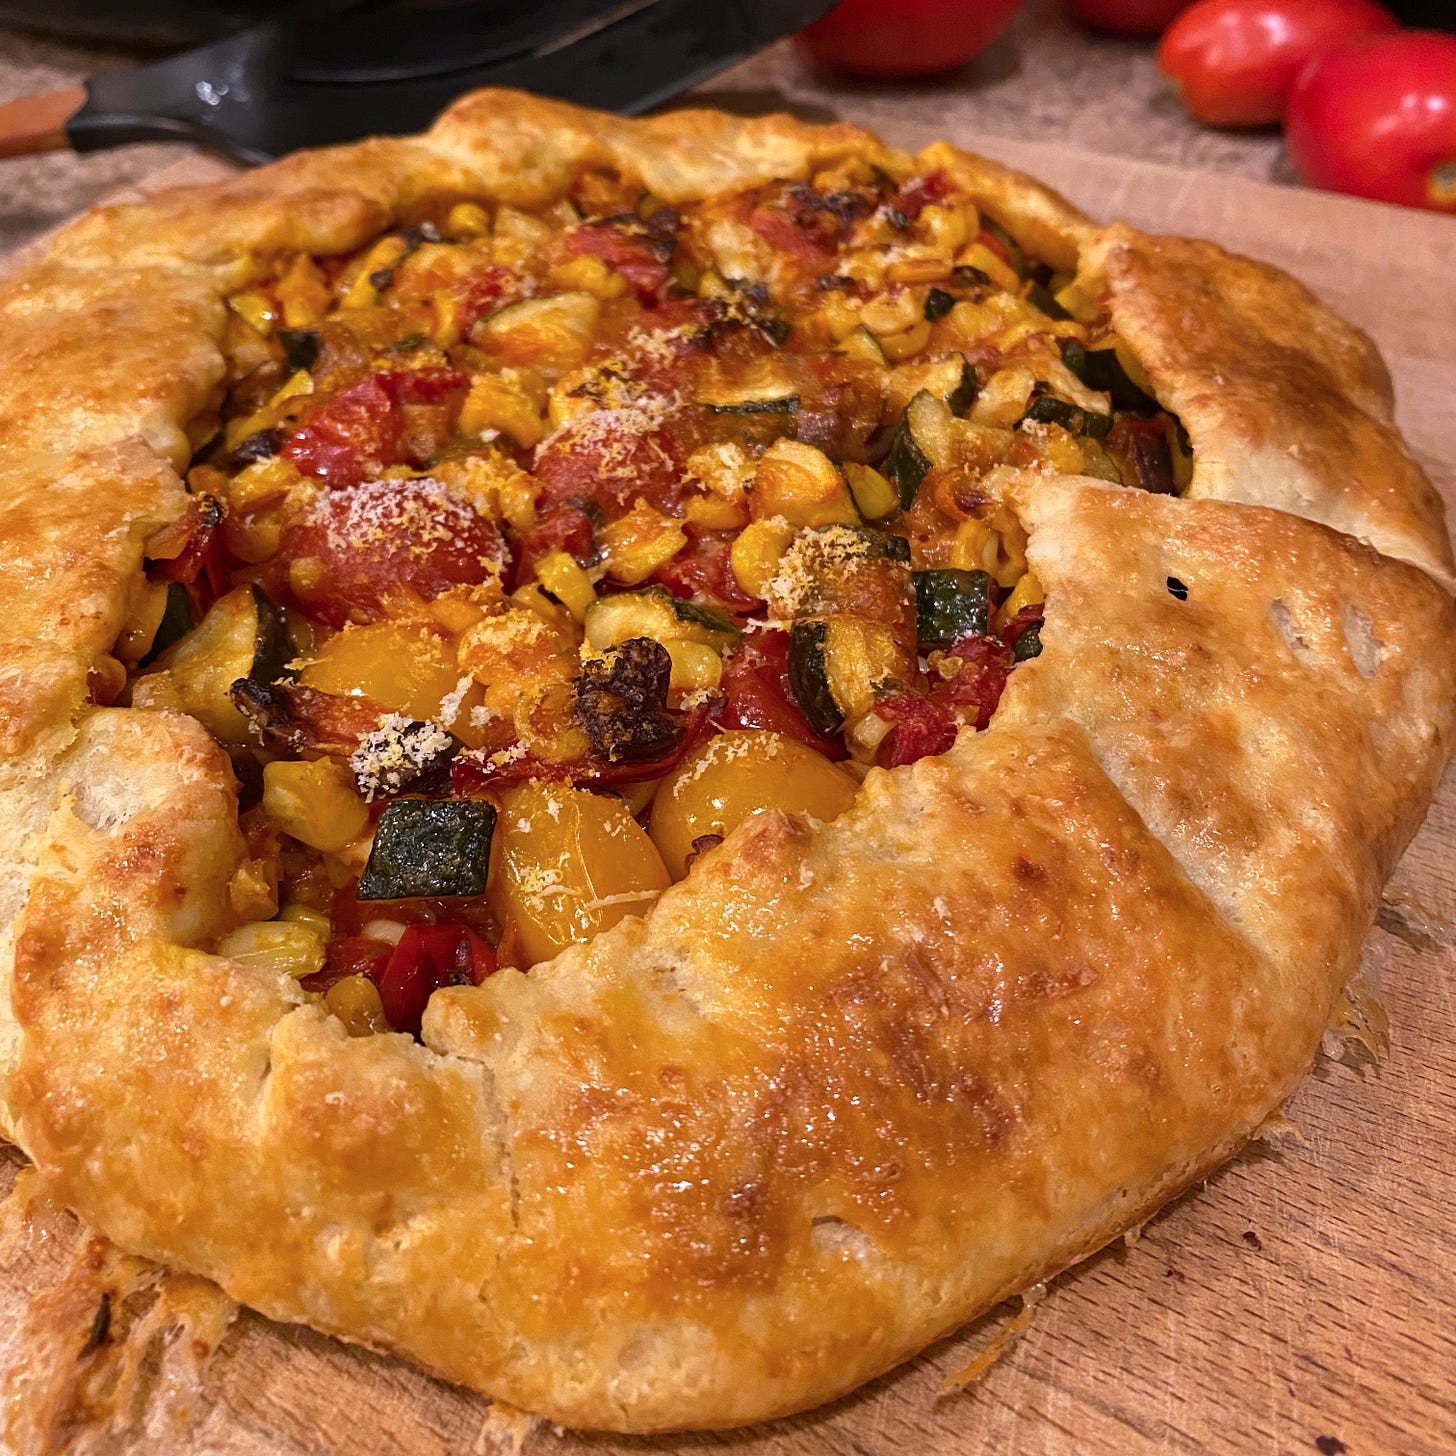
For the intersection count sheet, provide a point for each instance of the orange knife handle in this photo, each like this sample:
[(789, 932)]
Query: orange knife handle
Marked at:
[(38, 123)]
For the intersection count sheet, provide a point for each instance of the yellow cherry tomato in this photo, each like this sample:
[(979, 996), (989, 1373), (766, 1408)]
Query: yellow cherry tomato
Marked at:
[(571, 864), (405, 667), (737, 774)]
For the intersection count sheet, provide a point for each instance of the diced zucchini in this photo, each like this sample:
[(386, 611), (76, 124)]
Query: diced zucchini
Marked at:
[(654, 612), (176, 622), (938, 303), (921, 442), (1028, 643), (1048, 409), (243, 636), (838, 666), (951, 604), (433, 847), (1101, 369), (963, 396), (809, 676), (300, 348), (1040, 297), (755, 397)]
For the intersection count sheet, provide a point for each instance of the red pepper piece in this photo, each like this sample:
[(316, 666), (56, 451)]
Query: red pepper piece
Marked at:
[(426, 958)]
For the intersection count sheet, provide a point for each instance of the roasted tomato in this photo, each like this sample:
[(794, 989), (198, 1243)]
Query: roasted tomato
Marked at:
[(1234, 62), (354, 553), (909, 38), (353, 435), (641, 251), (1377, 118), (426, 958)]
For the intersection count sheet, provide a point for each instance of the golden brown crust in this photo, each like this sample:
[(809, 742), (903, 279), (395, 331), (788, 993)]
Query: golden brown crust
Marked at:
[(1290, 406), (683, 1175)]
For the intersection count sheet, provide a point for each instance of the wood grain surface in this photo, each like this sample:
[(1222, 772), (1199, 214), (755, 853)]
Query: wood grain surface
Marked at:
[(1300, 1301)]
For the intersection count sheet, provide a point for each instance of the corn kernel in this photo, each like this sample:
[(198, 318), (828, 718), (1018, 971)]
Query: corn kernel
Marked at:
[(362, 293), (976, 547), (591, 274), (715, 513), (1026, 593), (695, 667), (303, 293), (307, 916), (640, 542), (261, 483), (255, 310), (757, 551), (279, 946), (314, 802), (467, 220), (355, 1001), (1076, 302), (892, 315), (873, 494), (567, 582), (1000, 272), (499, 402), (896, 347), (801, 484)]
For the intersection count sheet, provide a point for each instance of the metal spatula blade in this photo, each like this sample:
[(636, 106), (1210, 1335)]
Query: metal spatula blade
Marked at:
[(273, 89)]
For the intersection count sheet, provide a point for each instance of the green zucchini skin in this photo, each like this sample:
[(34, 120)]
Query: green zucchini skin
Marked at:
[(809, 677), (963, 396), (1040, 297), (272, 646), (300, 347), (938, 303), (1028, 644), (951, 604), (176, 622), (784, 405), (429, 847), (1101, 369), (907, 464), (1072, 418)]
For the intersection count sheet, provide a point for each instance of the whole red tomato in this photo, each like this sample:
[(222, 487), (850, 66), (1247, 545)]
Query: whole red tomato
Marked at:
[(905, 37), (1127, 17), (1378, 118), (1234, 62)]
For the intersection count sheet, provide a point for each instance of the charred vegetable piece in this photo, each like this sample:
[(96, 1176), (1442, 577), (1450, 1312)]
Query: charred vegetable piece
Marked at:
[(260, 445), (879, 543), (300, 347), (429, 847), (1028, 643), (951, 604), (809, 676), (242, 637), (1101, 369), (938, 303), (621, 702), (304, 719), (404, 756), (1050, 410), (965, 276)]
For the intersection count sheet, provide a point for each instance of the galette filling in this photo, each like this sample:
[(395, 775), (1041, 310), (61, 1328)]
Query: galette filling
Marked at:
[(530, 553)]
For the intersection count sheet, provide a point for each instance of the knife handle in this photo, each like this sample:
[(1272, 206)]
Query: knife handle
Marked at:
[(38, 123)]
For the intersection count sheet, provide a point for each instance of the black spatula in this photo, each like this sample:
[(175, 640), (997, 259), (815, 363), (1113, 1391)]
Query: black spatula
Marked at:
[(275, 89)]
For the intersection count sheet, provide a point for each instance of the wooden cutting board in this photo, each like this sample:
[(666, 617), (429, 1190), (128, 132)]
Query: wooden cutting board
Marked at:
[(1300, 1301)]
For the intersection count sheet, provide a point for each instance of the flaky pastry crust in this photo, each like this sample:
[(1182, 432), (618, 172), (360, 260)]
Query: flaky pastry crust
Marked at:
[(843, 1087)]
